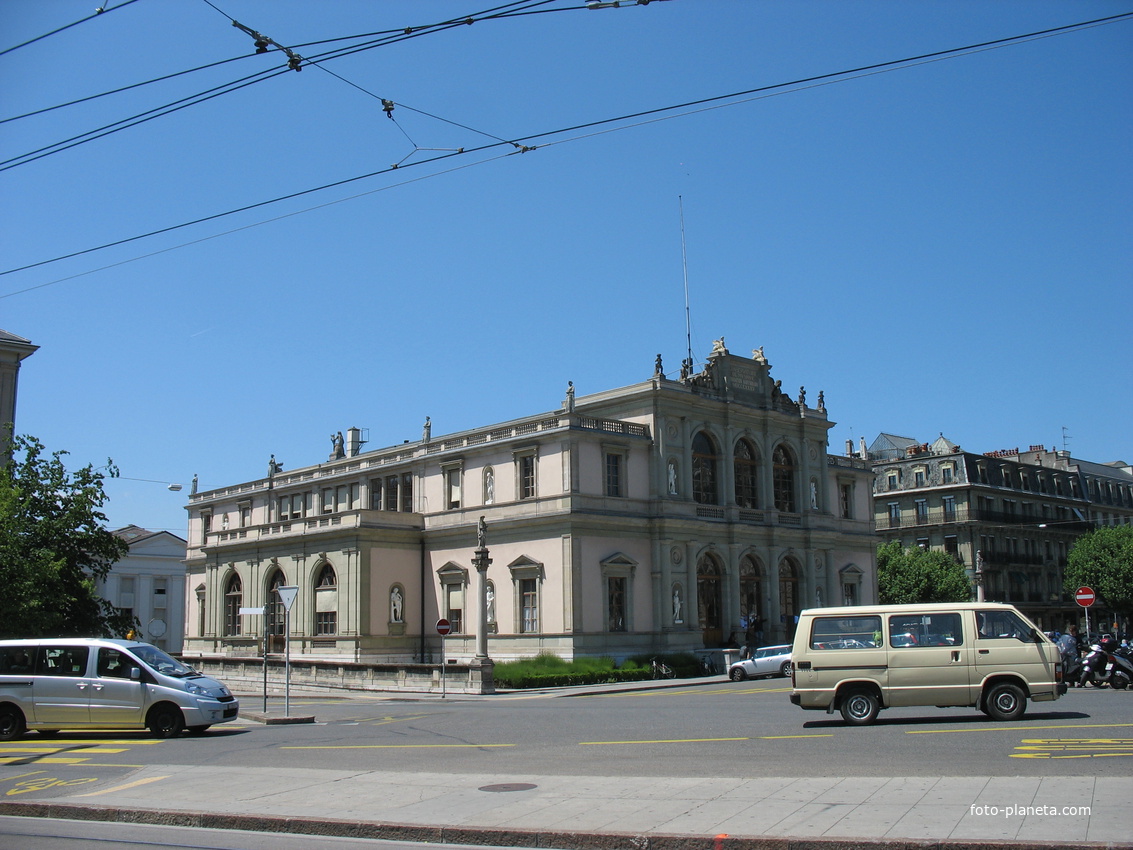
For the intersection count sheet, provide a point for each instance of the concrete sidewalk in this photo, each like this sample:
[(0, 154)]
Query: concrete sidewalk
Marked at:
[(641, 813)]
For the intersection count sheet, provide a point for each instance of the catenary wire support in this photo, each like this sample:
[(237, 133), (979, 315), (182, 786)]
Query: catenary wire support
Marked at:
[(262, 44)]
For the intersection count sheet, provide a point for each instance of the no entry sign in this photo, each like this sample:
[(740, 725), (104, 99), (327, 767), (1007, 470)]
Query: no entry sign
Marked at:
[(443, 626), (1085, 596)]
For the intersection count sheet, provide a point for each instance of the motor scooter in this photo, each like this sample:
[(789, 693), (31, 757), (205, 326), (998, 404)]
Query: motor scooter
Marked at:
[(1094, 665), (1120, 674)]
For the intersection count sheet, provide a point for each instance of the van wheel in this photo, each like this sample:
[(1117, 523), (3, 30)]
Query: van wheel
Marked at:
[(1005, 701), (737, 674), (165, 721), (860, 708), (198, 730), (11, 723)]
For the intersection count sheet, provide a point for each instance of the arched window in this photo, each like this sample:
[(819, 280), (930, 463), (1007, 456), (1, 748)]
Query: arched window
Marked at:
[(746, 465), (326, 602), (274, 621), (704, 460), (233, 600), (751, 590), (708, 599), (784, 479)]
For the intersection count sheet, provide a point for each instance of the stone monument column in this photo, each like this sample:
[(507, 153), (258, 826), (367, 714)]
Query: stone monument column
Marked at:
[(480, 670)]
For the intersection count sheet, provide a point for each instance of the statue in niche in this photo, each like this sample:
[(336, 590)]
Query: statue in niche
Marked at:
[(677, 604), (491, 597), (813, 495), (818, 597), (672, 478), (396, 606), (489, 486)]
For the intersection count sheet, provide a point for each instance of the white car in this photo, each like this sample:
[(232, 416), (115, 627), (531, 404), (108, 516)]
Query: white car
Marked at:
[(765, 661)]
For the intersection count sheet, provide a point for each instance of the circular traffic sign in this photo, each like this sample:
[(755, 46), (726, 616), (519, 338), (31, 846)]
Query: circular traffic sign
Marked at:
[(443, 626), (1085, 596)]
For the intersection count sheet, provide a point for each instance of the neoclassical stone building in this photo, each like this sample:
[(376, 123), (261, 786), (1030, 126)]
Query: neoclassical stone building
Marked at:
[(652, 518)]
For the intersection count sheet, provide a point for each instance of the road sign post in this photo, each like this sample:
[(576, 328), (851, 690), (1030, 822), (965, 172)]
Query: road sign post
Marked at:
[(287, 594), (443, 628), (1086, 597)]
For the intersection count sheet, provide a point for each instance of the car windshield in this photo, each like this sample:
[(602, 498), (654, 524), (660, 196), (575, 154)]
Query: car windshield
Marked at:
[(161, 662)]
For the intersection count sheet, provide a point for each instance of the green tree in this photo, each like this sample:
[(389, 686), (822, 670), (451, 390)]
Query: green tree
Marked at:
[(53, 546), (919, 575), (1103, 559)]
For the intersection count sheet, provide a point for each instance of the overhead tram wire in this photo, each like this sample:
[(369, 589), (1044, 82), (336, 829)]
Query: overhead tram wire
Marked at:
[(519, 143), (99, 12), (209, 94)]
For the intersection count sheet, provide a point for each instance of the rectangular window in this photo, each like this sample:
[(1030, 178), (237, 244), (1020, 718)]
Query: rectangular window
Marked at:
[(921, 506), (946, 473), (391, 493), (845, 632), (616, 603), (952, 546), (949, 505), (63, 661), (206, 527), (846, 500), (328, 501), (613, 474), (918, 478), (850, 593), (892, 481), (925, 630), (527, 476), (407, 493), (375, 494), (326, 623), (245, 515), (454, 607), (452, 483), (894, 514), (529, 606), (159, 594)]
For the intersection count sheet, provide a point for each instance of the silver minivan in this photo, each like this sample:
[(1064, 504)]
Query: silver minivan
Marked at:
[(91, 683)]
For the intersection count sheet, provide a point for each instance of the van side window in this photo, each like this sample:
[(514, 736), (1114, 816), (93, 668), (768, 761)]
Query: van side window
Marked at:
[(14, 659), (112, 664), (925, 630), (1002, 624), (63, 661), (845, 632)]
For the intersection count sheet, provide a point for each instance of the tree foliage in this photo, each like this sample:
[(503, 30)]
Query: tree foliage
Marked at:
[(919, 575), (53, 546), (1103, 559)]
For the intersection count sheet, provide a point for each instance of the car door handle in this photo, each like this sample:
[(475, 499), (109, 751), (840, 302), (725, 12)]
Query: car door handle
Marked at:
[(984, 651), (97, 686), (82, 686), (955, 655)]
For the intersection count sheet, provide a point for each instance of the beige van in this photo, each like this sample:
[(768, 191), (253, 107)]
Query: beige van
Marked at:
[(861, 659)]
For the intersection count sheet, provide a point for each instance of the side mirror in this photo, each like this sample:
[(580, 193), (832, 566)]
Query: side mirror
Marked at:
[(136, 674)]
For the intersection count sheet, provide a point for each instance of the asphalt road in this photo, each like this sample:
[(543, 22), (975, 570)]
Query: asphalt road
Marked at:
[(704, 730)]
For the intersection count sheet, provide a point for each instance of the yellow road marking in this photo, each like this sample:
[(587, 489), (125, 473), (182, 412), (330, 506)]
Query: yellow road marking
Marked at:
[(63, 749), (134, 784), (670, 741), (45, 760), (1016, 728), (400, 747), (21, 775)]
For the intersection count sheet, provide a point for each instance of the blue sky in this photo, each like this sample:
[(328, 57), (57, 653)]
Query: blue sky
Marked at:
[(940, 247)]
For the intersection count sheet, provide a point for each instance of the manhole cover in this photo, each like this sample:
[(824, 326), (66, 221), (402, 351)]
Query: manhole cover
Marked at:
[(508, 786)]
